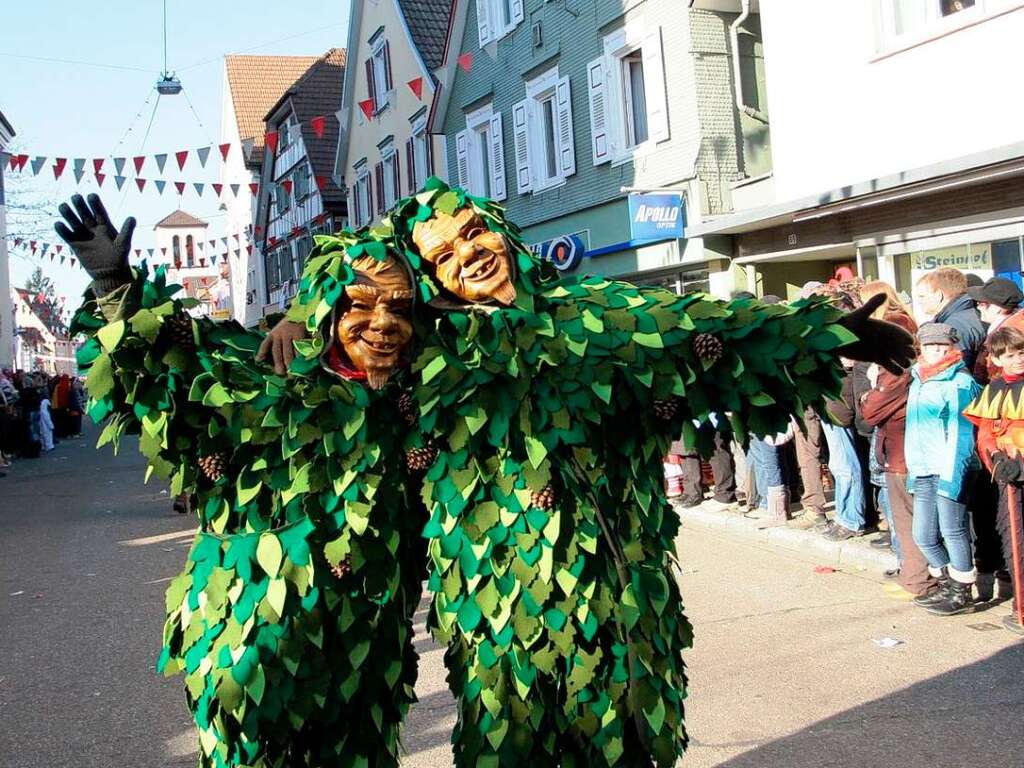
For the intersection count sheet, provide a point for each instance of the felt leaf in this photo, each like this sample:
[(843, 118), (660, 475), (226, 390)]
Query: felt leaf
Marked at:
[(110, 335), (277, 591), (651, 340), (101, 378), (431, 369), (268, 553), (216, 396)]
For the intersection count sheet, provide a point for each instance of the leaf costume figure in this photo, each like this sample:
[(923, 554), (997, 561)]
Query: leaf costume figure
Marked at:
[(551, 542), (292, 618)]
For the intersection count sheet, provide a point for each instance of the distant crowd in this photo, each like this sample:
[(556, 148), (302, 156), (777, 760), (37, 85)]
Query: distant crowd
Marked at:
[(37, 410), (928, 459)]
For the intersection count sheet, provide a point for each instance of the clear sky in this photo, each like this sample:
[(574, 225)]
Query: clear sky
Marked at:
[(61, 109)]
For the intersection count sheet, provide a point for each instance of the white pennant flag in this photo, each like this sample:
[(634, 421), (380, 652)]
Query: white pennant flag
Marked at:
[(160, 184), (149, 252), (235, 188), (79, 164), (119, 180), (160, 160), (202, 154), (79, 173), (119, 165), (199, 188), (37, 165)]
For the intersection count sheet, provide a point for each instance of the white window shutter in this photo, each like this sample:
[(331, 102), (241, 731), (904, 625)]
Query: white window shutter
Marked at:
[(566, 140), (517, 11), (483, 21), (600, 126), (497, 169), (521, 136), (654, 87), (462, 157)]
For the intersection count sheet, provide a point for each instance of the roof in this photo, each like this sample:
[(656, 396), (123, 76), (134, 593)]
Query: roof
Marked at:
[(256, 83), (317, 93), (180, 219), (6, 125), (428, 22)]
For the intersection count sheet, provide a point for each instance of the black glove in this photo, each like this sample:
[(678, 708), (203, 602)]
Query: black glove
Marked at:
[(102, 250), (1006, 470), (877, 341)]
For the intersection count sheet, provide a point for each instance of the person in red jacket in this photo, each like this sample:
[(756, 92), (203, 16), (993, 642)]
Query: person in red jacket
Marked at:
[(884, 407), (998, 413)]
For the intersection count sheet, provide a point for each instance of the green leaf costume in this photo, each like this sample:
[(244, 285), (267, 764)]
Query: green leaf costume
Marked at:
[(564, 621), (308, 554)]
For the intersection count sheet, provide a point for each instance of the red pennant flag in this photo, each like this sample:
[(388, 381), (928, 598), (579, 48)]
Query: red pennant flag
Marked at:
[(140, 183), (177, 264), (317, 124), (466, 61), (272, 241), (97, 165), (181, 157), (58, 166), (32, 244), (202, 262), (248, 250), (367, 106), (296, 231), (72, 262), (287, 184), (218, 188), (236, 237), (270, 139), (254, 187), (163, 251), (17, 241), (224, 149), (321, 182), (21, 165), (258, 230), (60, 248), (417, 87), (213, 243), (180, 186), (138, 253), (100, 177), (138, 164), (13, 160)]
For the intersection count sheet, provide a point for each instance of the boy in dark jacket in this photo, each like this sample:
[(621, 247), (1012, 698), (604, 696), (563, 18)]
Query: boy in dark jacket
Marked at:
[(998, 413)]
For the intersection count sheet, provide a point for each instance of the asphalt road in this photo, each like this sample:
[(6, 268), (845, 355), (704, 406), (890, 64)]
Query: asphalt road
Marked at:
[(784, 674)]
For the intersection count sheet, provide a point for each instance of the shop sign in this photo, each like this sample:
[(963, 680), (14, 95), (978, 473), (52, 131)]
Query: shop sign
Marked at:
[(961, 257), (565, 252), (656, 216)]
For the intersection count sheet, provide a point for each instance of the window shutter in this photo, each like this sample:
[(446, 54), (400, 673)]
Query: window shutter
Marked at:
[(521, 136), (599, 137), (367, 214), (352, 210), (429, 138), (388, 83), (654, 87), (398, 175), (379, 173), (371, 86), (462, 157), (497, 159), (566, 140), (517, 11), (483, 21), (410, 165)]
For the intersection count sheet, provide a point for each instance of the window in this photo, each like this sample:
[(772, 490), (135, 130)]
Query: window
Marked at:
[(280, 198), (389, 176), (542, 125), (378, 75), (497, 18), (480, 154), (176, 250), (300, 181), (189, 251), (285, 134), (628, 104), (417, 155), (361, 202), (907, 22)]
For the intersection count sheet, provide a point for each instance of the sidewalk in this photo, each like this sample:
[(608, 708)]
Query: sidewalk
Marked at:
[(853, 553)]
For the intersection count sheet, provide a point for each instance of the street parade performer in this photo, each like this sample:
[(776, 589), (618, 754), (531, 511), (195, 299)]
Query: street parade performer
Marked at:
[(292, 618), (542, 410)]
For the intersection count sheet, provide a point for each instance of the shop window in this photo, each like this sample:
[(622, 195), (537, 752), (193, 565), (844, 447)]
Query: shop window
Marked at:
[(904, 273), (1006, 259), (869, 264)]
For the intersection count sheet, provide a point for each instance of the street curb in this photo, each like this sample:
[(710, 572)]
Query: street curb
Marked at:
[(854, 553)]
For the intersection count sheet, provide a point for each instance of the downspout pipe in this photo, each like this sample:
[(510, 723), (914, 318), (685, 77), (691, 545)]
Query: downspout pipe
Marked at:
[(734, 33)]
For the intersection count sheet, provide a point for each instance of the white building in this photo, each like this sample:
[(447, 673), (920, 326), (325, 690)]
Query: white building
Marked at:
[(192, 262), (6, 306), (896, 143), (35, 347), (252, 85)]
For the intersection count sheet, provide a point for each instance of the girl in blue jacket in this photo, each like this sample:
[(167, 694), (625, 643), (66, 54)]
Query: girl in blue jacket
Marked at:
[(940, 457)]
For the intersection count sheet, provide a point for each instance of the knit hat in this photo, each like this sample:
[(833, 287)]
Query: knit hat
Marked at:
[(937, 333)]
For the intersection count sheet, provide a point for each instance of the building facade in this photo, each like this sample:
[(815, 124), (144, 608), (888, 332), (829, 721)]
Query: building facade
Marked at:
[(252, 85), (192, 262), (35, 346), (891, 155), (388, 146), (605, 127), (6, 305), (298, 196)]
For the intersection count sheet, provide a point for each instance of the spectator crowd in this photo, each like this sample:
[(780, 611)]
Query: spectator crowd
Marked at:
[(36, 411), (931, 459)]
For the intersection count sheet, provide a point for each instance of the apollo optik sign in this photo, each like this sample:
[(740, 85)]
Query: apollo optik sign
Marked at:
[(656, 216)]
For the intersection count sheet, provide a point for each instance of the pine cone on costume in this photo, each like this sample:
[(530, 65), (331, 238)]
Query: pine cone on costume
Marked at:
[(342, 569), (179, 328), (420, 459), (213, 465), (407, 408), (666, 409), (544, 498), (708, 347)]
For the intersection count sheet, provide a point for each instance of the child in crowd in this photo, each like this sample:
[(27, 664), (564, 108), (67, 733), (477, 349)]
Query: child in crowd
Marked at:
[(998, 413)]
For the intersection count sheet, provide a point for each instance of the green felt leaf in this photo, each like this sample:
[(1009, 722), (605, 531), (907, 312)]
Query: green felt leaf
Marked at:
[(432, 368), (269, 554), (110, 335), (216, 396), (536, 451), (651, 340), (277, 591), (101, 378)]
